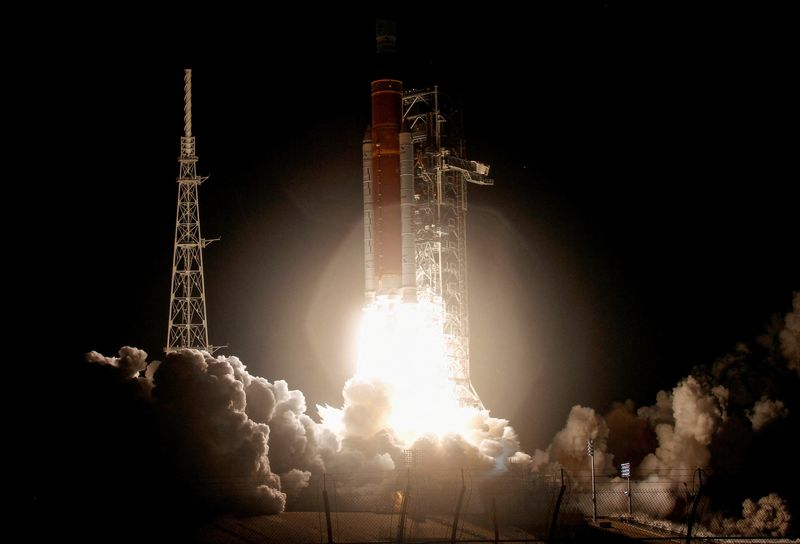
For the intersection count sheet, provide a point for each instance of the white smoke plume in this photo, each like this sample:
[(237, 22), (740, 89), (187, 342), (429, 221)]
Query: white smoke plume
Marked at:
[(714, 411), (630, 436), (686, 420), (769, 516), (248, 444), (790, 335), (204, 401), (660, 412), (131, 361), (199, 402), (684, 444), (766, 410), (568, 448), (487, 442), (242, 442)]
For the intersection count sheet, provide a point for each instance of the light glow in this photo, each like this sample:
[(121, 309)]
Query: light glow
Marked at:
[(401, 345)]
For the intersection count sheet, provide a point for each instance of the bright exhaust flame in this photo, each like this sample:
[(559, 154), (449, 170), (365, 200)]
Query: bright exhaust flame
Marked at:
[(401, 346)]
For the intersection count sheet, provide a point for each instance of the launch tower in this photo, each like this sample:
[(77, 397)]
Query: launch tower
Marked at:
[(441, 175)]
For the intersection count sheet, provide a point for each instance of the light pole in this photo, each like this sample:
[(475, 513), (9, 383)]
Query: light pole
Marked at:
[(625, 468), (590, 451)]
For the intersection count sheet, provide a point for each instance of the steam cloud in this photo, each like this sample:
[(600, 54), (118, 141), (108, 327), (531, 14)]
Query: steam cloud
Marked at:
[(766, 410), (790, 335), (684, 443), (568, 448), (768, 516), (199, 402), (235, 442), (706, 421)]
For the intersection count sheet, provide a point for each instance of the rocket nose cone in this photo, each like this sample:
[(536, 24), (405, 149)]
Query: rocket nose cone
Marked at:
[(367, 134)]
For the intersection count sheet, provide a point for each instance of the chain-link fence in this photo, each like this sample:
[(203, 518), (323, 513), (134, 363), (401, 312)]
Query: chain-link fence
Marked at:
[(425, 506), (674, 504), (416, 505)]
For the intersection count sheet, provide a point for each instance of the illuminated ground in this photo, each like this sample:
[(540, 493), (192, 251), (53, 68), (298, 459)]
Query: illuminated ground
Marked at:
[(347, 527)]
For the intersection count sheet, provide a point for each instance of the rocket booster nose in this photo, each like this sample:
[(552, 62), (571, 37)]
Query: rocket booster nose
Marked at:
[(367, 135)]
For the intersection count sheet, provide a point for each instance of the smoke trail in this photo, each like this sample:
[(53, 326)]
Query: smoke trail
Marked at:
[(766, 410), (131, 361), (790, 335)]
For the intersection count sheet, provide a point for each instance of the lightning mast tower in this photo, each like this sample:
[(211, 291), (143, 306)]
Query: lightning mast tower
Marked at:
[(188, 326)]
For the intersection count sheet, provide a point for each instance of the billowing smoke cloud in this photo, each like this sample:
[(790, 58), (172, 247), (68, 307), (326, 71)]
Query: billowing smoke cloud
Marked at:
[(678, 431), (630, 436), (768, 516), (790, 335), (230, 441), (131, 361), (237, 442), (684, 444), (568, 448), (766, 410), (709, 420), (367, 440), (199, 402)]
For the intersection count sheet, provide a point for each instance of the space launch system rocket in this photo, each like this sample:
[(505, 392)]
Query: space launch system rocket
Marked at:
[(388, 164)]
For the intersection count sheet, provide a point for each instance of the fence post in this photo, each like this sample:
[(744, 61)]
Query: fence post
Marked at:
[(458, 508), (693, 510), (552, 532), (403, 509), (327, 511), (494, 521)]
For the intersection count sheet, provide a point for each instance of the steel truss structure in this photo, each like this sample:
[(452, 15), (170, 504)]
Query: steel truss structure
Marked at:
[(188, 325), (441, 175)]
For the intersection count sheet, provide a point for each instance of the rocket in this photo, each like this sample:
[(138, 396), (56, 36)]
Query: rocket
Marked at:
[(388, 166)]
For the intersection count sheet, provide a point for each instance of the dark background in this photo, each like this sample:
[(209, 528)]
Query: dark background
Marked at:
[(644, 217)]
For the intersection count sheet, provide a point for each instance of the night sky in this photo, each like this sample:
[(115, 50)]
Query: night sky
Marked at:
[(644, 218)]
